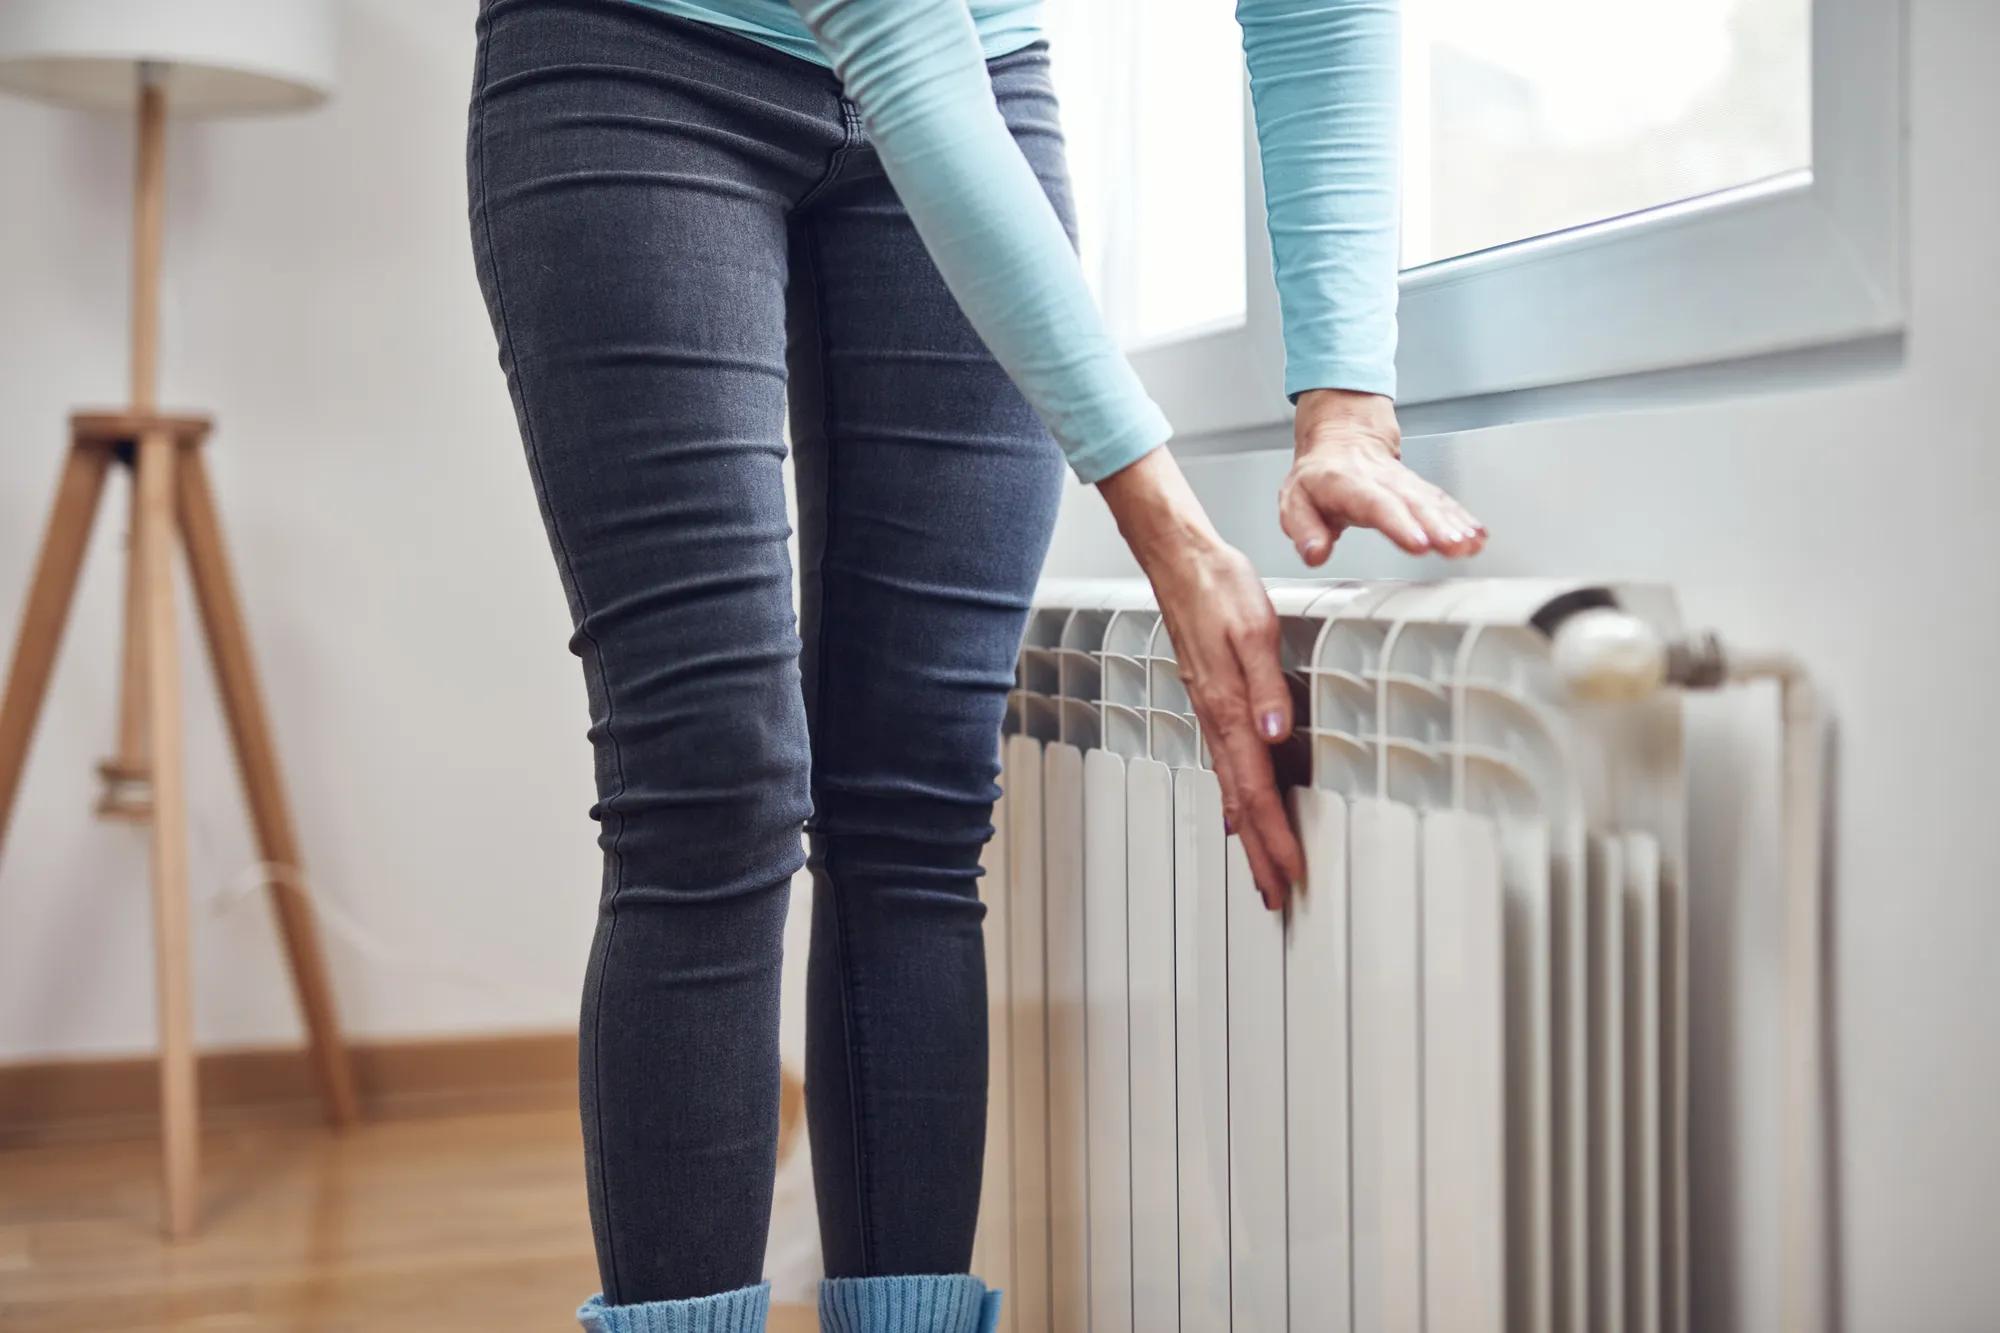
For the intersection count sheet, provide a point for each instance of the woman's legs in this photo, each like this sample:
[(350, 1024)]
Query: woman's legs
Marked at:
[(927, 494), (640, 190), (630, 182)]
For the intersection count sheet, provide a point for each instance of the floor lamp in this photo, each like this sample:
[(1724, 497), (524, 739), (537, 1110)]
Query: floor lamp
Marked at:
[(147, 57)]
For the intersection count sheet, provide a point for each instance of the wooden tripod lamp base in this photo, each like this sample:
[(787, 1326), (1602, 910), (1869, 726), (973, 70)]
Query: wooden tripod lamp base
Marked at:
[(172, 505), (216, 57)]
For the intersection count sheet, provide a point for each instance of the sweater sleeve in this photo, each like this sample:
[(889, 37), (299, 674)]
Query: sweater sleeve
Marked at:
[(1325, 82), (915, 71)]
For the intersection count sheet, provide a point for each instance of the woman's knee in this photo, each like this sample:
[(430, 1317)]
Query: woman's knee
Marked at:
[(704, 792)]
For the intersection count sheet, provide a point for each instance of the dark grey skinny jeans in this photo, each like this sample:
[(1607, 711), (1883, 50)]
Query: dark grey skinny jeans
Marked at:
[(677, 230)]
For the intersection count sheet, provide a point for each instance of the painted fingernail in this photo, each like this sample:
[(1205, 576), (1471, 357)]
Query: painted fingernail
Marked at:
[(1271, 724), (1314, 548), (1228, 829)]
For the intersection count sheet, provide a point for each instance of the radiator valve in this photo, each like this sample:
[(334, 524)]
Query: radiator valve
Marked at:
[(1606, 654)]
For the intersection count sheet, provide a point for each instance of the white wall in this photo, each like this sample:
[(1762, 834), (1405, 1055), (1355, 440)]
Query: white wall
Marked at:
[(320, 300), (1852, 523)]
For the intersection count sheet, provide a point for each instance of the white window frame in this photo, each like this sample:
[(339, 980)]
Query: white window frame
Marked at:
[(1809, 259)]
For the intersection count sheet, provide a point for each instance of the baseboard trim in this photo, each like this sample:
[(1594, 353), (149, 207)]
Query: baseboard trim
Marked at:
[(67, 1099)]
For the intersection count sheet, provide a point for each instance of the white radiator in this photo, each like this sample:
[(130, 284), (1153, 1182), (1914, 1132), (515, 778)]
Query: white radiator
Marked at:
[(1447, 1092)]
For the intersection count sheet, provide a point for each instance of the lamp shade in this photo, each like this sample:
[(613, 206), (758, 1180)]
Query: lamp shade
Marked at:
[(215, 57)]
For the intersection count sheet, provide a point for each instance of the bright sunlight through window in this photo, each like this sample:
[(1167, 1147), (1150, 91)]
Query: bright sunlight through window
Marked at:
[(1152, 98), (1521, 119), (1534, 116)]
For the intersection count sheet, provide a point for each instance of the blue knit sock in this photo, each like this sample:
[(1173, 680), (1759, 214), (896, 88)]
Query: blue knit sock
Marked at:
[(944, 1303), (740, 1311)]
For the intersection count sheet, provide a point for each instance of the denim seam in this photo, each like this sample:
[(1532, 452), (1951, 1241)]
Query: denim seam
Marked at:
[(864, 1204), (610, 904), (850, 139)]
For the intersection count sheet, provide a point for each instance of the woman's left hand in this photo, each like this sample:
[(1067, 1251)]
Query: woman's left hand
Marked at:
[(1347, 472)]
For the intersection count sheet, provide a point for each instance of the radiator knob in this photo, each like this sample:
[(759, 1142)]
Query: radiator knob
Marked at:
[(1606, 654)]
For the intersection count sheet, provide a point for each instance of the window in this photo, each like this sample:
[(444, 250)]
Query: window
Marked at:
[(1525, 119), (1591, 191), (1159, 85)]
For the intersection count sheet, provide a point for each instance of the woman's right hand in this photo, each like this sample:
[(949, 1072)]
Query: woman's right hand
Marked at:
[(1225, 636)]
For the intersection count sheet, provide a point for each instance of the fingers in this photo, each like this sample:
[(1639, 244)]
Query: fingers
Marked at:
[(1390, 514), (1251, 807), (1241, 758), (1452, 530), (1415, 515), (1311, 533), (1257, 657), (1465, 519), (1250, 797)]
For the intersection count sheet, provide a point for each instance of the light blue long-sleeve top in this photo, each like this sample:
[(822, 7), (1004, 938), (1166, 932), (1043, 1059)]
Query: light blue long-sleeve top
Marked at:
[(1324, 84)]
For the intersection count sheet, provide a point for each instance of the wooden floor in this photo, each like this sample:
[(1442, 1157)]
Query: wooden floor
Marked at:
[(473, 1222)]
